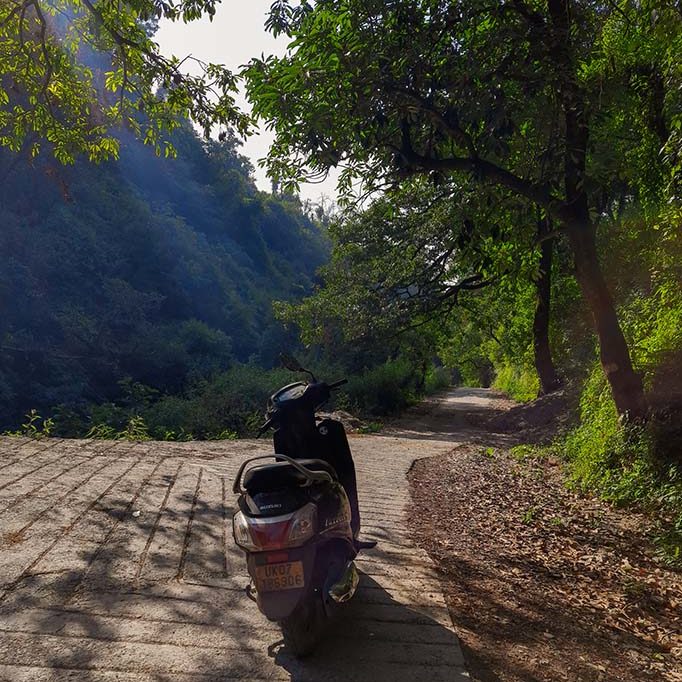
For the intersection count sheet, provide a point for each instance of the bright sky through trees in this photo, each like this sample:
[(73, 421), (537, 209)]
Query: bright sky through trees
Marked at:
[(234, 36)]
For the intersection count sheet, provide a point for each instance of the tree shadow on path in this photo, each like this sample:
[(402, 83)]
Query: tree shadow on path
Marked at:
[(376, 638)]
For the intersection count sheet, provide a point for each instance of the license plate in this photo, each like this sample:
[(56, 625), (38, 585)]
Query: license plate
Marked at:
[(272, 577)]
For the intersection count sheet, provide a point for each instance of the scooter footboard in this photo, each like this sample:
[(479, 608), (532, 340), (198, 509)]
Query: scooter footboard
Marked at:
[(282, 579)]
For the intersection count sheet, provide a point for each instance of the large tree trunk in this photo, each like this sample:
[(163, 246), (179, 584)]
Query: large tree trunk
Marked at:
[(626, 384), (544, 365)]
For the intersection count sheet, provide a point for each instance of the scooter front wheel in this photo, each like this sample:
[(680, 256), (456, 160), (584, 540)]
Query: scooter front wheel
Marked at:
[(303, 629)]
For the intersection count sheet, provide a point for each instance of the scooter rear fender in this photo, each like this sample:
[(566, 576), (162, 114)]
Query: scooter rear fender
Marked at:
[(317, 557)]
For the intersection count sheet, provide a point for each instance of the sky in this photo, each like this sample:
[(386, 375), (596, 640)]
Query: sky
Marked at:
[(234, 36)]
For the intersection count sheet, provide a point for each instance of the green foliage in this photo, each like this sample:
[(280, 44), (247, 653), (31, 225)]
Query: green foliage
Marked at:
[(637, 464), (403, 261), (518, 382), (35, 426), (628, 464), (525, 452), (74, 71), (495, 104), (599, 442), (135, 430), (371, 427), (232, 404), (529, 515), (437, 379), (385, 389), (623, 464), (225, 434), (389, 90), (102, 432), (144, 272)]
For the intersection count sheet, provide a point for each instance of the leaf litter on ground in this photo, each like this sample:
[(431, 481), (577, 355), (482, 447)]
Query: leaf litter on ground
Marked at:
[(542, 583)]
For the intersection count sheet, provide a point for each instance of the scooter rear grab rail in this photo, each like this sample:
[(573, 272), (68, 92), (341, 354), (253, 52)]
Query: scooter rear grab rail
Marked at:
[(311, 476)]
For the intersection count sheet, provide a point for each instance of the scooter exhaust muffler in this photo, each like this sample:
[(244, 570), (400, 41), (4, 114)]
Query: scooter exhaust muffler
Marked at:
[(344, 588)]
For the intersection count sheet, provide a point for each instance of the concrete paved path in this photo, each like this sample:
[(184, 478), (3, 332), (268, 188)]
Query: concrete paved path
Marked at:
[(117, 563)]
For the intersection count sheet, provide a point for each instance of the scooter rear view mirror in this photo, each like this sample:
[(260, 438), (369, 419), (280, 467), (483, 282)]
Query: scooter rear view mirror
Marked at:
[(292, 364)]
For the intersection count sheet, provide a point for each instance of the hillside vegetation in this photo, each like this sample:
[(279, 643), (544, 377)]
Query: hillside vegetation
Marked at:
[(138, 298), (142, 276)]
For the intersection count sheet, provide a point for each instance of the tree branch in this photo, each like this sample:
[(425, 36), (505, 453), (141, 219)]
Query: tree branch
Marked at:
[(487, 170)]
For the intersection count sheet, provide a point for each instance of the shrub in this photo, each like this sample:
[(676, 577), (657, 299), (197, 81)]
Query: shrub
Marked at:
[(624, 464), (519, 383), (231, 404), (437, 379), (35, 426), (384, 389)]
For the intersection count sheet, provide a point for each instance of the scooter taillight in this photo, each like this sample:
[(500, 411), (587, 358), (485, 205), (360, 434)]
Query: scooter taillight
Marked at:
[(270, 535), (259, 534)]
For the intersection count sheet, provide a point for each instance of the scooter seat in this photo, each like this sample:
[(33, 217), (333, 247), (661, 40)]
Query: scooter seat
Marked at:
[(269, 477)]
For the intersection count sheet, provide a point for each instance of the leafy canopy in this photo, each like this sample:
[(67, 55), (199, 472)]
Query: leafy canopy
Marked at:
[(386, 90), (71, 70), (408, 258)]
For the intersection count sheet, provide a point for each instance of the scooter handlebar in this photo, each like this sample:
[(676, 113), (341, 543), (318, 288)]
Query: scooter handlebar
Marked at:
[(264, 428), (334, 385)]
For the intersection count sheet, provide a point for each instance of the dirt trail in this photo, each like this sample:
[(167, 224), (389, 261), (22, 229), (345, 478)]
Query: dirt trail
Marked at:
[(459, 415), (117, 563), (542, 584)]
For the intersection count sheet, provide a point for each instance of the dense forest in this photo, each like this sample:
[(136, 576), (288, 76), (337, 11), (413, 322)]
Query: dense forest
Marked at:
[(141, 275)]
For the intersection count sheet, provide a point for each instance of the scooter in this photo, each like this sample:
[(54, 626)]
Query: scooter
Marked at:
[(295, 522)]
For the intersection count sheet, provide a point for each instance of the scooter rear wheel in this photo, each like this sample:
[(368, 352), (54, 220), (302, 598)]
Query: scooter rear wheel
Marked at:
[(303, 629)]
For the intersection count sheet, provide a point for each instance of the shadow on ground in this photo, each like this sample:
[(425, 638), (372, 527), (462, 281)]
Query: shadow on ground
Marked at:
[(99, 620), (354, 649)]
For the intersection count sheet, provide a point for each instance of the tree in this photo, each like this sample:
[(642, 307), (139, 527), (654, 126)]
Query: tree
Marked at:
[(397, 265), (73, 70), (542, 351), (466, 89), (413, 257)]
